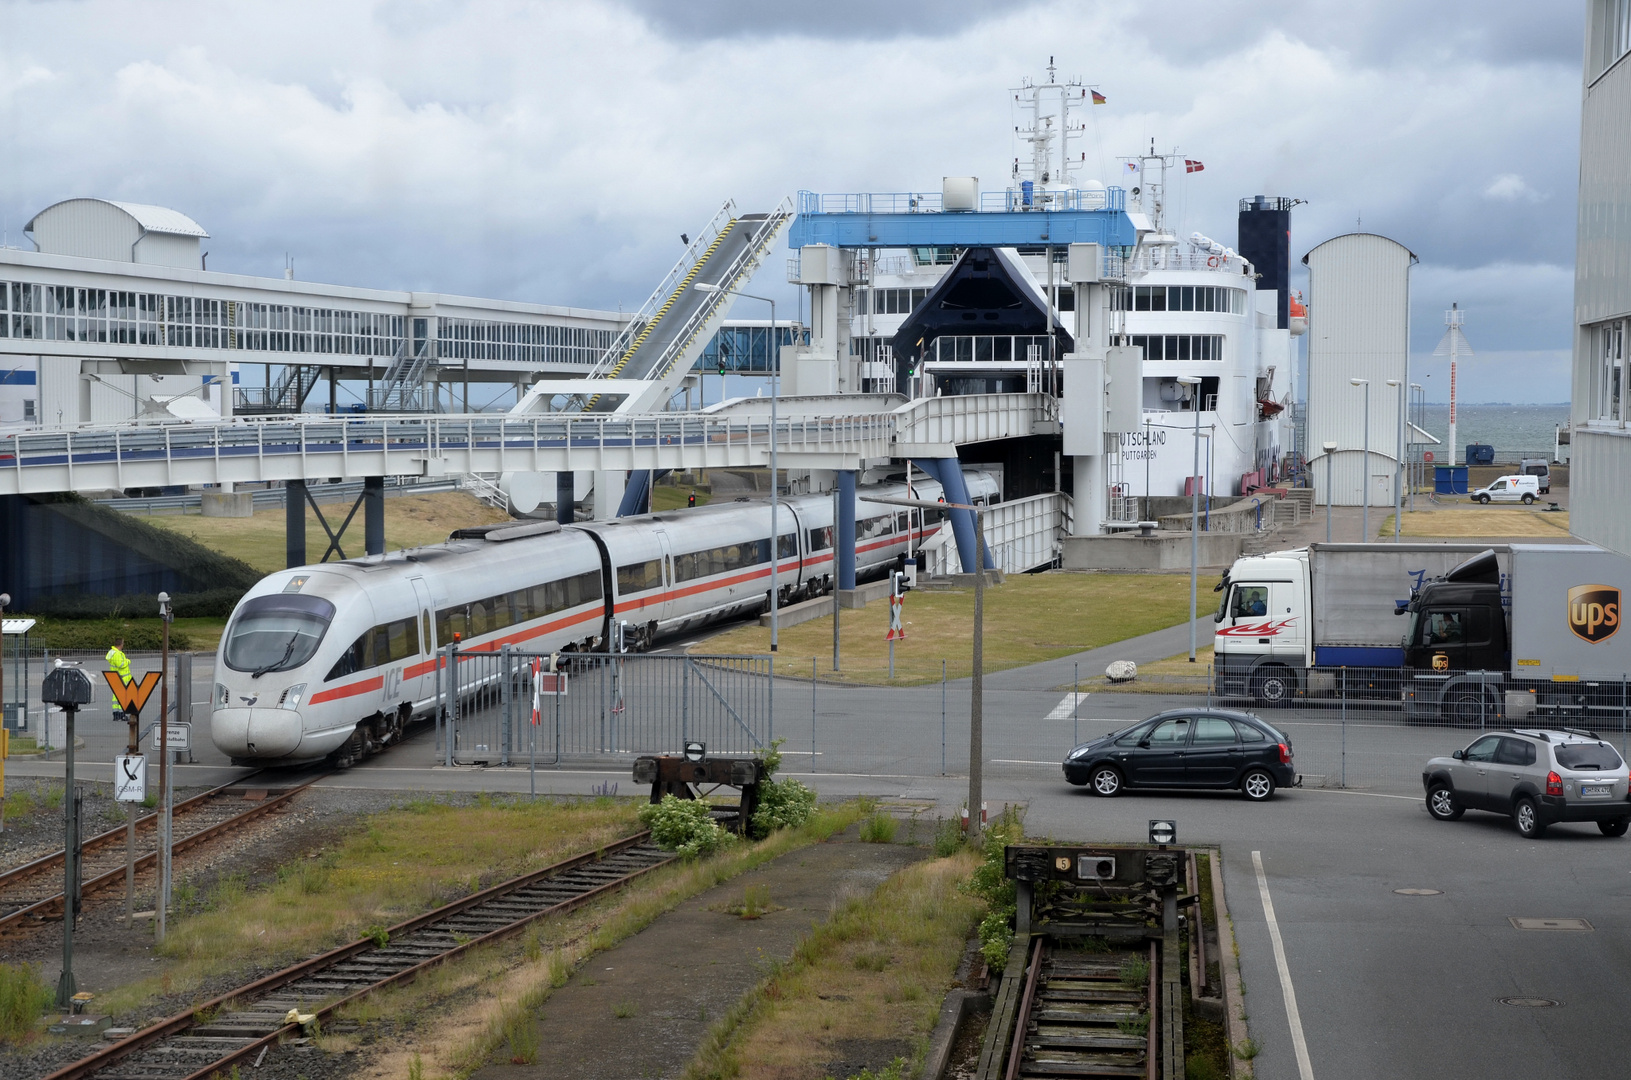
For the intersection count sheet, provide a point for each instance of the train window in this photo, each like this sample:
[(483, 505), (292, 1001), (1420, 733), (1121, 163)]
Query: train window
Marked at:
[(352, 660), (499, 614), (477, 618), (638, 577), (583, 589), (276, 633), (401, 639), (425, 621), (874, 526), (788, 547), (821, 539), (903, 522)]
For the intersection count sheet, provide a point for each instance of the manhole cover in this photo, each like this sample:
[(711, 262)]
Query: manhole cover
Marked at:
[(1551, 924), (1418, 892), (1529, 1003)]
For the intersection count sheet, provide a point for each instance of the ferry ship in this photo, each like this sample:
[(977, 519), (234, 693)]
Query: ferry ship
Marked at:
[(1198, 309)]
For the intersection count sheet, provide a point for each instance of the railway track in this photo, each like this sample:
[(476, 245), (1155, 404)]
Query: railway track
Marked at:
[(1086, 1014), (243, 1023), (31, 893)]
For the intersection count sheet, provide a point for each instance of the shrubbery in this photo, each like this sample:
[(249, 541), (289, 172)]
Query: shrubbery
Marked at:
[(783, 804), (990, 883), (685, 826)]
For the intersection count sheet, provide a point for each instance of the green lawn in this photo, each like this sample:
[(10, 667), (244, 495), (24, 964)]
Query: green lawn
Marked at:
[(1030, 618)]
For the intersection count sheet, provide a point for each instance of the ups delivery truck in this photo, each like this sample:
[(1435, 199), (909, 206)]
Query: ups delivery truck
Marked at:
[(1517, 631)]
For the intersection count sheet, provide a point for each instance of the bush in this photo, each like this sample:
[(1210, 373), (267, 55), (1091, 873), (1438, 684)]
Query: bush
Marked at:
[(95, 635), (990, 882), (685, 826), (23, 998), (783, 804), (879, 829)]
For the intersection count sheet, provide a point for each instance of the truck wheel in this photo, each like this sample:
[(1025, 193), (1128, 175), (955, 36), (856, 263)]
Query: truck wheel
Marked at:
[(1617, 827), (1528, 498), (1484, 499), (1465, 708), (1106, 781), (1257, 785), (1526, 816), (1442, 804), (1273, 685)]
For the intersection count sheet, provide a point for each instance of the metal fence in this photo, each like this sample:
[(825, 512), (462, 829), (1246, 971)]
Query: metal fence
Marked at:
[(502, 708)]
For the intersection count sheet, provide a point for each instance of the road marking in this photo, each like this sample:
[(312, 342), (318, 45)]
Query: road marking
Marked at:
[(1304, 1068), (1067, 705), (1371, 794), (1019, 761)]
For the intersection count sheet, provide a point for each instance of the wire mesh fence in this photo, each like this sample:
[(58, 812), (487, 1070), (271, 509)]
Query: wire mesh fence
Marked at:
[(512, 707)]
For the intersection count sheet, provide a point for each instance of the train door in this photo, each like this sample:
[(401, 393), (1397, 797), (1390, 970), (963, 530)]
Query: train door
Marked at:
[(664, 609), (790, 552), (420, 690)]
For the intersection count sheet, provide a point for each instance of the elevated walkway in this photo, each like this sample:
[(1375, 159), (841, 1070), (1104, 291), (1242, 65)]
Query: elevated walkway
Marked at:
[(658, 347)]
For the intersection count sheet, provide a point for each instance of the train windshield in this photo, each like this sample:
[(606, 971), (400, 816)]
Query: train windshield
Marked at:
[(276, 633)]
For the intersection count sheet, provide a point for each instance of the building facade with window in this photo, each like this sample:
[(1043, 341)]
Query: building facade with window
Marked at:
[(1600, 473)]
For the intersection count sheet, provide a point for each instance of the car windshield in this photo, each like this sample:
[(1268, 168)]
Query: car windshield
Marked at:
[(1588, 757), (276, 633)]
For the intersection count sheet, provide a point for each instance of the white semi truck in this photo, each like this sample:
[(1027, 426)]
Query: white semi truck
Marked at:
[(1508, 631)]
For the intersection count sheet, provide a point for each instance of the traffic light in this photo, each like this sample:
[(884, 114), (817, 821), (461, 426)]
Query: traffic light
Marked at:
[(691, 499)]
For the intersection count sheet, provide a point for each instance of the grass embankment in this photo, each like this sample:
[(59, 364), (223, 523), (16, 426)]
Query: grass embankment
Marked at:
[(1174, 675), (396, 865), (1480, 521), (671, 497), (516, 978), (410, 521), (1029, 618), (894, 954), (146, 634)]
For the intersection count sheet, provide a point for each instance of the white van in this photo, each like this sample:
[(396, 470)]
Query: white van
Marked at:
[(1524, 489)]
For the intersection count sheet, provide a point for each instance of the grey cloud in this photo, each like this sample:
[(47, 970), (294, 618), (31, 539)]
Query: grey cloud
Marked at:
[(829, 20)]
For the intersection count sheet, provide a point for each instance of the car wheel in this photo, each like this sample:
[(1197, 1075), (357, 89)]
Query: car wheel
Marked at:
[(1273, 686), (1106, 781), (1527, 818), (1484, 499), (1442, 804), (1527, 498), (1465, 708), (1617, 827), (1257, 785)]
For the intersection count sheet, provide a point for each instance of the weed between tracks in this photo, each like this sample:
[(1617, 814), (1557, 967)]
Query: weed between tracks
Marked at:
[(894, 954), (406, 861), (472, 1007)]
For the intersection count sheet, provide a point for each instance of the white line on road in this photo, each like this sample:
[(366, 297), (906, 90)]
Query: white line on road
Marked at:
[(1018, 761), (1304, 1068), (1067, 705)]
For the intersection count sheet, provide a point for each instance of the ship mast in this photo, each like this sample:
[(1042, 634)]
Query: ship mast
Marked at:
[(1049, 130), (1454, 345)]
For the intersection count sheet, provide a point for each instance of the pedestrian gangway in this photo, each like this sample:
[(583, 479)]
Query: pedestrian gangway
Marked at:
[(657, 348)]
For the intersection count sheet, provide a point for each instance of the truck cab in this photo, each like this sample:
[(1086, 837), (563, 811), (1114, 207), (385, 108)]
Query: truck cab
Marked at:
[(1262, 640), (1456, 646)]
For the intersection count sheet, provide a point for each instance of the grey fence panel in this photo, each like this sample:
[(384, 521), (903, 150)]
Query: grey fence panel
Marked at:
[(614, 705)]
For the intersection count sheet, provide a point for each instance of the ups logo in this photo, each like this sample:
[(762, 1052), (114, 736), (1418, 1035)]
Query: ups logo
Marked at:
[(1594, 612)]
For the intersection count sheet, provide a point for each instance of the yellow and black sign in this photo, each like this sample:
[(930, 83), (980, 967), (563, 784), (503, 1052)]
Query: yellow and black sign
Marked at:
[(1594, 612), (131, 696), (1441, 661)]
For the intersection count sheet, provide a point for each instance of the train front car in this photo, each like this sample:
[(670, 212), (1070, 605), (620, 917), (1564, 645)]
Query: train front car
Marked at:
[(287, 633)]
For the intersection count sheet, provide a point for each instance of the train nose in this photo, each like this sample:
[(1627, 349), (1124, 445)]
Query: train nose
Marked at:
[(257, 733)]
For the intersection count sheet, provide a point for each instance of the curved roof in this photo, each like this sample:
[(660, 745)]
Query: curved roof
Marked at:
[(154, 219), (1369, 236)]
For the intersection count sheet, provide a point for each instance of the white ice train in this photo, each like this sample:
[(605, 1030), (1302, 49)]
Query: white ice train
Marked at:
[(333, 660)]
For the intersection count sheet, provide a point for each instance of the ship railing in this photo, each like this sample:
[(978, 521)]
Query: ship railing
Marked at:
[(1011, 200)]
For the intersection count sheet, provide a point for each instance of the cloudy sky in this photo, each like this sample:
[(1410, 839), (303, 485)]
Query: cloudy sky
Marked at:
[(554, 152)]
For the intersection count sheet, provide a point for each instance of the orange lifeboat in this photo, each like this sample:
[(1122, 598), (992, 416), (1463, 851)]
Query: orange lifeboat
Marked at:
[(1298, 316)]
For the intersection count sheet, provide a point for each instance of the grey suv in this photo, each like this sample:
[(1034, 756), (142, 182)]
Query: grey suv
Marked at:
[(1536, 776)]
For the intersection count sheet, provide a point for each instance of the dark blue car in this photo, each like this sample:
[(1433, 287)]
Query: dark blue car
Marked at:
[(1188, 748)]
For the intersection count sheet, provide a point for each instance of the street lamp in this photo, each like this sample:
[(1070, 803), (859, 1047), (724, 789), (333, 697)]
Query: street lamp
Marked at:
[(1364, 472), (1420, 476), (162, 899), (1194, 383), (1398, 461), (1330, 456), (775, 386), (5, 602)]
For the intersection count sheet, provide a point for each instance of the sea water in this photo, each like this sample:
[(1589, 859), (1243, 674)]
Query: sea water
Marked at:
[(1516, 431)]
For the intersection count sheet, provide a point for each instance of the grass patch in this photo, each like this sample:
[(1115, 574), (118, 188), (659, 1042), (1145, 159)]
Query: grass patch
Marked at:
[(398, 864), (410, 521), (24, 997), (1174, 675), (1476, 520), (893, 952), (1028, 619), (512, 986), (880, 828), (672, 497)]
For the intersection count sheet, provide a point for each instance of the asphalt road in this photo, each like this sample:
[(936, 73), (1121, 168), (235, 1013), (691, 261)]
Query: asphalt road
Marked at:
[(1387, 985)]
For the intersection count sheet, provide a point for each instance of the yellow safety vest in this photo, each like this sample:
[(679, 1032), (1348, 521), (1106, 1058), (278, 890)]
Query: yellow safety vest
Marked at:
[(118, 663)]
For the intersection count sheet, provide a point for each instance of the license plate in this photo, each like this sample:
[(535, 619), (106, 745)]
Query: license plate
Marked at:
[(1595, 791)]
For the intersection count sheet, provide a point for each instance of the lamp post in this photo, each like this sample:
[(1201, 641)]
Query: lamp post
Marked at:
[(162, 900), (1194, 507), (5, 602), (1364, 471), (1416, 392), (1330, 454), (1398, 461), (774, 357)]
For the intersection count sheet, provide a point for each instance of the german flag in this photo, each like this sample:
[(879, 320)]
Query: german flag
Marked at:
[(1098, 98)]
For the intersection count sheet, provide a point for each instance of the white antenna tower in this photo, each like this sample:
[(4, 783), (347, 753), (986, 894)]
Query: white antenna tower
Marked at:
[(1454, 346), (1049, 131)]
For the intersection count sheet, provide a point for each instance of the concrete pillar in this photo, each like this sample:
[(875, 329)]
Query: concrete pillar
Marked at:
[(1088, 503), (844, 541), (373, 514), (635, 494), (566, 495), (294, 522), (609, 485)]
